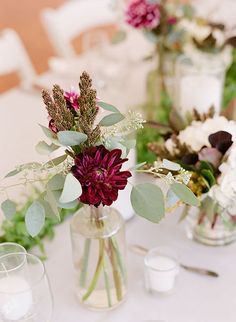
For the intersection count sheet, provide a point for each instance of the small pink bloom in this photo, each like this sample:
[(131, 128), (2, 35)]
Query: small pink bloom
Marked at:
[(143, 14), (172, 20), (72, 99), (52, 126)]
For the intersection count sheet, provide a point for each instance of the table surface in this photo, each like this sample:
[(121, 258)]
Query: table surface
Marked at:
[(196, 298)]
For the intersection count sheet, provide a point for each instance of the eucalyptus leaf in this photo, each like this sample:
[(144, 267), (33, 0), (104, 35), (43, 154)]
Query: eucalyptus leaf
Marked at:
[(72, 189), (54, 162), (13, 173), (108, 107), (43, 148), (169, 165), (71, 138), (35, 218), (50, 135), (171, 199), (148, 201), (49, 213), (111, 119), (50, 198), (56, 182), (65, 205), (137, 166), (185, 194), (8, 208)]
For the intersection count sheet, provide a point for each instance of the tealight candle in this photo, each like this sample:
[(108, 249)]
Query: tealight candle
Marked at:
[(161, 270), (15, 297), (200, 92)]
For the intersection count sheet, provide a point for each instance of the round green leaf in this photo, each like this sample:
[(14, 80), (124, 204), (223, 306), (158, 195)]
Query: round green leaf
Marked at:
[(54, 162), (72, 189), (108, 107), (169, 165), (35, 218), (43, 148), (56, 182), (71, 138), (8, 208), (148, 201), (185, 194), (111, 119)]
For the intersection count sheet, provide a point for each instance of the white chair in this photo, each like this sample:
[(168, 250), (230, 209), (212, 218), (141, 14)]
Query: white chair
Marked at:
[(74, 18), (13, 57)]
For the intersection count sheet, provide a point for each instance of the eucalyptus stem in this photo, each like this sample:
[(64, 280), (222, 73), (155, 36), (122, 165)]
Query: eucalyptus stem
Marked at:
[(107, 284), (116, 275), (98, 270), (84, 270)]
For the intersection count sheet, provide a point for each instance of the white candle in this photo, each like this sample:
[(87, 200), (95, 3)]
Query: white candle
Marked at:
[(161, 272), (200, 92), (15, 298)]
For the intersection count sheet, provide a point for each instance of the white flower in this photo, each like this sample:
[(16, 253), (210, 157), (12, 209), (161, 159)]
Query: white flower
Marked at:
[(196, 135)]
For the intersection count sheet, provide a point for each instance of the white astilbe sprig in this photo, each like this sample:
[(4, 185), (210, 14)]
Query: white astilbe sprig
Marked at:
[(169, 171), (133, 121)]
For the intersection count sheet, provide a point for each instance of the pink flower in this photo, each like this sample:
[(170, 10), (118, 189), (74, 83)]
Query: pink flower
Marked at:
[(52, 126), (72, 100), (99, 173), (143, 14), (172, 20)]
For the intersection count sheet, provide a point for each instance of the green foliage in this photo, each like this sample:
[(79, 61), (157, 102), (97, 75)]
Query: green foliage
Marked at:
[(72, 189), (148, 201), (14, 230), (35, 218), (108, 107), (145, 136), (71, 138), (112, 119), (185, 194), (8, 208), (230, 82)]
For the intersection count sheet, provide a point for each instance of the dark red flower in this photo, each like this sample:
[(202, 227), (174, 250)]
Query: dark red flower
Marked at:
[(99, 172), (143, 14), (172, 20)]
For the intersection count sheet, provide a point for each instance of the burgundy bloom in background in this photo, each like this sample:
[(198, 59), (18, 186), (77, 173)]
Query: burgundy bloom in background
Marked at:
[(143, 14), (72, 100), (172, 20), (99, 173)]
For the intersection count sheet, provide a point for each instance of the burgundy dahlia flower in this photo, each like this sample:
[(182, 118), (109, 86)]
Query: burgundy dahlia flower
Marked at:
[(99, 173), (72, 100), (143, 14)]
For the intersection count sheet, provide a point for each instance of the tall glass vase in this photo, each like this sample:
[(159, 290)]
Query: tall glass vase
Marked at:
[(98, 242)]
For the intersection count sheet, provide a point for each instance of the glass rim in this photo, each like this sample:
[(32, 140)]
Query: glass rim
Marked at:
[(35, 283), (159, 249), (13, 244)]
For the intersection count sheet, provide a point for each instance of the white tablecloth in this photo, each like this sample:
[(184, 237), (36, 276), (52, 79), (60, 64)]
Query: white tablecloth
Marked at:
[(196, 299)]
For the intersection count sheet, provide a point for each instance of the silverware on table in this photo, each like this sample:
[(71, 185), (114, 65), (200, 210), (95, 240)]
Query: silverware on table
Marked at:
[(202, 271)]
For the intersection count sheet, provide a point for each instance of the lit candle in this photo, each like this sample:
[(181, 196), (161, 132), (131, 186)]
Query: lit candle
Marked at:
[(15, 298), (200, 92), (160, 272)]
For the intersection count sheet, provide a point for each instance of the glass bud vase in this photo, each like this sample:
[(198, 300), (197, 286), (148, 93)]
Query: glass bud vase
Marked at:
[(216, 230), (98, 243), (199, 83)]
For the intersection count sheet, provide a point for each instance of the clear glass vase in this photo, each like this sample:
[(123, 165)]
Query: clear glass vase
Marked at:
[(218, 230), (98, 242), (199, 83)]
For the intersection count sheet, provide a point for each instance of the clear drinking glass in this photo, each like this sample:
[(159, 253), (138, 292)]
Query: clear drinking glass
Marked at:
[(161, 270), (98, 242), (25, 293), (7, 248)]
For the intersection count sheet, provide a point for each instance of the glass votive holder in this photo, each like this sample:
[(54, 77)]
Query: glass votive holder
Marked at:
[(161, 270), (25, 293), (8, 248), (199, 83)]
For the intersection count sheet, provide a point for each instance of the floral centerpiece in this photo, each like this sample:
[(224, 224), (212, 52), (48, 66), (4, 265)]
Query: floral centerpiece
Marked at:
[(89, 172), (160, 23), (206, 148)]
